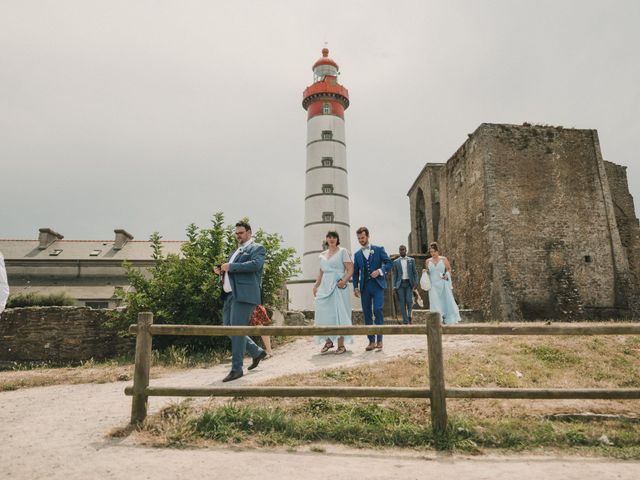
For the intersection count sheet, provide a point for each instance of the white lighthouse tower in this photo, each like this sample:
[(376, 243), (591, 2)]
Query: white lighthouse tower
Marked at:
[(326, 201)]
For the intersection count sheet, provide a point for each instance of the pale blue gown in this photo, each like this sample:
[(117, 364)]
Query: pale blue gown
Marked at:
[(441, 294), (333, 304)]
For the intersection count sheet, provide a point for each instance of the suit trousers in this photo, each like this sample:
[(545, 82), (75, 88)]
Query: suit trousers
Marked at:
[(372, 295), (238, 314), (405, 300)]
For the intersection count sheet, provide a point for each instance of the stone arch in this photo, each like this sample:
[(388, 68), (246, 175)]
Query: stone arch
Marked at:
[(422, 239)]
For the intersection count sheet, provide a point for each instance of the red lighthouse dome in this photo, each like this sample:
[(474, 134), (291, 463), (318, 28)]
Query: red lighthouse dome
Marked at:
[(326, 95)]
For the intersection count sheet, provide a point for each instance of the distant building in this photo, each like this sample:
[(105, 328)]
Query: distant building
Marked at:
[(535, 222), (90, 271)]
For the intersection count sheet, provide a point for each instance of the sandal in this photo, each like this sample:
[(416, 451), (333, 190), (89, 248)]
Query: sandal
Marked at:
[(327, 346), (341, 349)]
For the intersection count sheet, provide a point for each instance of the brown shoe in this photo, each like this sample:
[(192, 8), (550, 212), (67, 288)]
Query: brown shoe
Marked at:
[(379, 345), (370, 347)]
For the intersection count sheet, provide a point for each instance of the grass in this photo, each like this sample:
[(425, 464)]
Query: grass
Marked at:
[(475, 426)]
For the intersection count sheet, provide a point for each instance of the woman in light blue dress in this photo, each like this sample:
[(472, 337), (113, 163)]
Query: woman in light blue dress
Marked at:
[(441, 293), (332, 292)]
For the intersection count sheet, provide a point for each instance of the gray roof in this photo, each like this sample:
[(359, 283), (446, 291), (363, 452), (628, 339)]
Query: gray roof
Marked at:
[(81, 250)]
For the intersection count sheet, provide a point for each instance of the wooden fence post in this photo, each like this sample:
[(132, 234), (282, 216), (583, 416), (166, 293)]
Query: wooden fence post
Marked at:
[(141, 372), (436, 375)]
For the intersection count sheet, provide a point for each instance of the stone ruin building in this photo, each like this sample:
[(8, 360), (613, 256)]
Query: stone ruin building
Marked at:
[(535, 223)]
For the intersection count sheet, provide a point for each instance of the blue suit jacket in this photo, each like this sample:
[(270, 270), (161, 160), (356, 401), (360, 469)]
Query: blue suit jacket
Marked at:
[(378, 259), (411, 270), (245, 274)]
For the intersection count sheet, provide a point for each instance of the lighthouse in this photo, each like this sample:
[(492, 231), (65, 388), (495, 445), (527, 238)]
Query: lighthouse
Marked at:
[(326, 198)]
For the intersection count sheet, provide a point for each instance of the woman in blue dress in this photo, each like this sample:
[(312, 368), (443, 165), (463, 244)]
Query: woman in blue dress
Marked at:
[(441, 293), (332, 292)]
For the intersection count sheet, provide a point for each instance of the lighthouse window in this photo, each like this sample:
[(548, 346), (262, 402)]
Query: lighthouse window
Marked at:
[(327, 135), (327, 188), (326, 108), (327, 161), (327, 216)]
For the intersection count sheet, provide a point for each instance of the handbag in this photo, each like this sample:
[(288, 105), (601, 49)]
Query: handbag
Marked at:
[(425, 283), (259, 317)]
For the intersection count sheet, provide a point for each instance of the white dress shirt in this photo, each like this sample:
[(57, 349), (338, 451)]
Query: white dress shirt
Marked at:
[(405, 270), (226, 285)]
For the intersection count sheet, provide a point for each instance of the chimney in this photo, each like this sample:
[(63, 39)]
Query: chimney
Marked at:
[(122, 237), (47, 237)]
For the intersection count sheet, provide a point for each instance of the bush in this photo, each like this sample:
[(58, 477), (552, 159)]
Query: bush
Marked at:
[(182, 289), (36, 299)]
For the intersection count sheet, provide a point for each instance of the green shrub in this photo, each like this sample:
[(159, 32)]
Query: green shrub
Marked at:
[(182, 289)]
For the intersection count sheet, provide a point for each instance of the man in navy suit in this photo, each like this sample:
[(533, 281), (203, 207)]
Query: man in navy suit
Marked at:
[(405, 282), (242, 277), (370, 264)]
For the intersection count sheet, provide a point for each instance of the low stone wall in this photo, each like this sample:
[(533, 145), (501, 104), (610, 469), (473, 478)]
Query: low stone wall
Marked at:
[(58, 334)]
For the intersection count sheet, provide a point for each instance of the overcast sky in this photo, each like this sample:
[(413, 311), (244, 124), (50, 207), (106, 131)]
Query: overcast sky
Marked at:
[(150, 115)]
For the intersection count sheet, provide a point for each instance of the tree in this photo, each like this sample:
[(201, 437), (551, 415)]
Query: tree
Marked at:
[(182, 289)]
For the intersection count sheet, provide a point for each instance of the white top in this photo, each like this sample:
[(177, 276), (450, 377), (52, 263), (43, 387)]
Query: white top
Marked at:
[(405, 270), (4, 284), (226, 285)]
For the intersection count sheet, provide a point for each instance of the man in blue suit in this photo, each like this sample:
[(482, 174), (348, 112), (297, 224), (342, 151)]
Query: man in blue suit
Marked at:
[(405, 282), (241, 280), (370, 264)]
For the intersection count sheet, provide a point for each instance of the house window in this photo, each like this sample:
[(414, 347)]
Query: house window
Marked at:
[(327, 216), (95, 253), (326, 108), (96, 305), (327, 161), (327, 188), (55, 253), (327, 135)]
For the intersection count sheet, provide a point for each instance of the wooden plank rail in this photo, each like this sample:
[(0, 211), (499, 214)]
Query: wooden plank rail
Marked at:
[(546, 393), (217, 330), (376, 392), (437, 392)]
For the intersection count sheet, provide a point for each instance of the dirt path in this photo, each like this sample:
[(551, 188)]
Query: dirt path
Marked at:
[(59, 432)]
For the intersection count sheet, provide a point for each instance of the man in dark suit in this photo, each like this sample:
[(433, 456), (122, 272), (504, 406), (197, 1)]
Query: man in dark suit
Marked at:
[(405, 282), (370, 264), (241, 280)]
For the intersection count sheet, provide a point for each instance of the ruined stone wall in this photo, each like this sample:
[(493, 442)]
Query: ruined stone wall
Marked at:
[(463, 234), (628, 228), (58, 334), (425, 208), (549, 208), (625, 213)]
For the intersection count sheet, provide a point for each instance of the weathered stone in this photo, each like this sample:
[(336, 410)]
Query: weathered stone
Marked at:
[(534, 223), (58, 334)]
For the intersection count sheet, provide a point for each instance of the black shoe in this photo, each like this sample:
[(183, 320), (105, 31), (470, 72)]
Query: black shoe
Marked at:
[(233, 375), (257, 359)]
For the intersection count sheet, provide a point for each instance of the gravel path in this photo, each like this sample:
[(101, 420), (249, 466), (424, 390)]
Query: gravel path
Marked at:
[(59, 432)]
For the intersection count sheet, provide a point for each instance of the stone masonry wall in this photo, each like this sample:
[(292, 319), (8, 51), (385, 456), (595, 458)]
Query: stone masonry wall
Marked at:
[(463, 225), (58, 334), (628, 227), (548, 208)]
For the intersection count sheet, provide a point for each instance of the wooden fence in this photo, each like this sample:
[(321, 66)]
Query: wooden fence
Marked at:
[(437, 391)]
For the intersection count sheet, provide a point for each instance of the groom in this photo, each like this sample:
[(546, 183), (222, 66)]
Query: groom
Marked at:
[(242, 277), (370, 264)]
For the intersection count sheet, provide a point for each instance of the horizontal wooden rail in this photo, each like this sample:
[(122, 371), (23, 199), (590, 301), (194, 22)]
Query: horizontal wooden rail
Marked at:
[(376, 392), (563, 329), (218, 330), (545, 393)]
